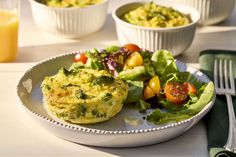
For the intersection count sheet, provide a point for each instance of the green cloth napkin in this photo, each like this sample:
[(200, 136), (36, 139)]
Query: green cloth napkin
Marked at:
[(217, 119)]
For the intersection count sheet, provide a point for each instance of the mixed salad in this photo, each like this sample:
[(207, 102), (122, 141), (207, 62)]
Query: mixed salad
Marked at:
[(154, 81)]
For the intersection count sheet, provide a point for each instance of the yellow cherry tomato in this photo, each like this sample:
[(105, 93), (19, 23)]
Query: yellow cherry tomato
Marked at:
[(154, 84), (135, 59), (148, 93)]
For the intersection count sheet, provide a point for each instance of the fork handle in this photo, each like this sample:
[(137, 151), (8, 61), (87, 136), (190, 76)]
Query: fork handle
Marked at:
[(231, 141)]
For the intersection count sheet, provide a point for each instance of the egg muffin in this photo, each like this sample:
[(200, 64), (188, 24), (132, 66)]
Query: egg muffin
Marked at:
[(84, 96)]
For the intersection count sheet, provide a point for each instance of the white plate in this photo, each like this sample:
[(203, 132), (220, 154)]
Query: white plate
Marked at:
[(127, 129)]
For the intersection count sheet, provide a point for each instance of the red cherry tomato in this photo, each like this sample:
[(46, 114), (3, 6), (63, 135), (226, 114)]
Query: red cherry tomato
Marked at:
[(131, 47), (176, 92), (81, 57), (190, 87)]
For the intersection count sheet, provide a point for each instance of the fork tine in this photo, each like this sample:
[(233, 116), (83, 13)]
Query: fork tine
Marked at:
[(226, 75), (221, 74), (216, 74), (232, 84)]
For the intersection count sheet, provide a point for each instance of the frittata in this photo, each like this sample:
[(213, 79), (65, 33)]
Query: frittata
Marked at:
[(84, 95)]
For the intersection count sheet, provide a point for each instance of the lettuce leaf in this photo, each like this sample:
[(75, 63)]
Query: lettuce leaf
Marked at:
[(172, 107), (205, 97), (135, 91), (76, 65), (142, 106), (163, 63), (94, 64), (159, 117), (112, 49)]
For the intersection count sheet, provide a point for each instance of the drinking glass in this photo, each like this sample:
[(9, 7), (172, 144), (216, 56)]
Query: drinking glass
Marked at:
[(9, 26)]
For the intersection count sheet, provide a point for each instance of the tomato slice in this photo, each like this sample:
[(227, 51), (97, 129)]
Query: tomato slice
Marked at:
[(148, 93), (176, 92), (81, 57), (190, 87), (132, 47)]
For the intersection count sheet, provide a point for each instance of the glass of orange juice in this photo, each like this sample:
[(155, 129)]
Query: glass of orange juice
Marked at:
[(9, 26)]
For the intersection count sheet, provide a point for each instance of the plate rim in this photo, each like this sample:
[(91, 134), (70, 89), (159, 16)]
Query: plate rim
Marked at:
[(99, 131)]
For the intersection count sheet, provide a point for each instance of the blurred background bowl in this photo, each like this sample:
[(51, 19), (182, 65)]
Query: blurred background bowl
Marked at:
[(175, 39), (212, 11), (69, 22)]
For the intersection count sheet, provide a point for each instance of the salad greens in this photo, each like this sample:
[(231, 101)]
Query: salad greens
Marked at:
[(142, 106), (133, 74), (187, 111), (164, 63), (135, 91), (144, 93)]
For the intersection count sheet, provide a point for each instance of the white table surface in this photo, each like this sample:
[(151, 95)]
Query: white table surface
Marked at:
[(21, 136)]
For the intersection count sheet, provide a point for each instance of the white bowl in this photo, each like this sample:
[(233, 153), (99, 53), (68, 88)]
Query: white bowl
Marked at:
[(212, 11), (175, 39), (69, 22)]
